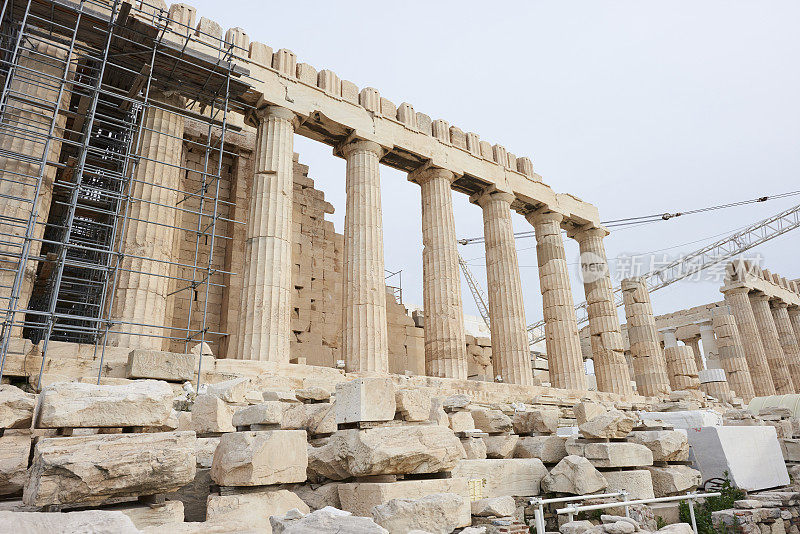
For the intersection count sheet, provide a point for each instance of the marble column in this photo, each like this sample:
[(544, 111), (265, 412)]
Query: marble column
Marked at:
[(732, 355), (772, 344), (739, 303), (681, 368), (140, 302), (511, 355), (365, 345), (445, 338), (564, 356), (610, 366), (788, 340), (710, 350), (794, 317), (670, 340), (649, 366), (23, 142), (265, 317), (694, 342)]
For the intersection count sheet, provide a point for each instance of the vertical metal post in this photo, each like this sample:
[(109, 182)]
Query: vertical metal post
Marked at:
[(691, 514)]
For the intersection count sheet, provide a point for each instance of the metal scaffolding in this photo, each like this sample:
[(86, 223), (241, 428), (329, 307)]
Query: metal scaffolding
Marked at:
[(78, 79)]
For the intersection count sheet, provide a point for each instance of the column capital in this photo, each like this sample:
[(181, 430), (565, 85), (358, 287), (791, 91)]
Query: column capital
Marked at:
[(278, 112), (794, 310), (351, 145), (427, 172), (588, 231), (484, 197), (705, 326), (759, 296), (778, 303), (738, 290), (544, 215)]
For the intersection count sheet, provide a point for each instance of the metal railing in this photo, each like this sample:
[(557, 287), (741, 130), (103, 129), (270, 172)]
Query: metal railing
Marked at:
[(539, 503)]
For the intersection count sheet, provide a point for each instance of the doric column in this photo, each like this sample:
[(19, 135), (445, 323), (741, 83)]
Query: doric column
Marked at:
[(610, 366), (739, 303), (510, 352), (23, 135), (445, 339), (710, 350), (670, 340), (713, 382), (794, 317), (788, 341), (732, 355), (694, 342), (650, 368), (364, 341), (772, 344), (267, 289), (681, 368), (143, 283), (564, 356)]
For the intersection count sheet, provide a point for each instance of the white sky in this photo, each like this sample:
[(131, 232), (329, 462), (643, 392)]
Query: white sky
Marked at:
[(636, 107)]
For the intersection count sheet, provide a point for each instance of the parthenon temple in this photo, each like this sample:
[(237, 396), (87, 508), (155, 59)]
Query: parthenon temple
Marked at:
[(178, 310)]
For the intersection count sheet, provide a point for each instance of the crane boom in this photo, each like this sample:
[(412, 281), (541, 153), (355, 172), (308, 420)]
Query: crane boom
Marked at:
[(475, 289)]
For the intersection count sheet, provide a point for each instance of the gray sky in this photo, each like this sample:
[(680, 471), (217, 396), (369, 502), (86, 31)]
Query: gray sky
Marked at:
[(636, 107)]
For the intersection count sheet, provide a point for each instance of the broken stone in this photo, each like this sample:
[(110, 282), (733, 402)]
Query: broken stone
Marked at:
[(89, 521), (16, 407), (280, 396), (620, 527), (160, 365), (608, 519), (361, 497), (15, 449), (266, 413), (491, 421), (387, 451), (666, 445), (316, 418), (324, 521), (637, 482), (414, 404), (574, 475), (517, 477), (440, 513), (456, 402), (586, 411), (252, 510), (144, 516), (540, 421), (365, 399), (87, 469), (612, 424), (461, 421), (318, 496), (551, 449), (674, 479), (612, 454), (575, 527), (313, 393), (233, 391), (210, 415), (475, 448), (260, 458), (76, 405), (204, 451), (500, 446), (495, 506), (677, 528)]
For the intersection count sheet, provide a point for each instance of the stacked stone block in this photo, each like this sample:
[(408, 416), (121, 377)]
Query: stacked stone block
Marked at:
[(649, 366), (772, 345), (732, 355), (757, 363), (681, 367)]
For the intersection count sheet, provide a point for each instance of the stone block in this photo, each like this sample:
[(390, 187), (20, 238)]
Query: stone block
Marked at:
[(637, 482), (76, 405), (265, 413), (252, 510), (586, 411), (491, 421), (233, 391), (612, 424), (16, 407), (731, 449), (611, 454), (440, 513), (325, 521), (144, 516), (540, 421), (475, 448), (666, 445), (317, 418), (501, 445), (550, 449), (92, 469), (494, 507), (574, 475), (204, 451), (686, 418), (15, 449), (260, 458), (386, 451), (89, 521), (313, 394), (360, 498), (160, 365), (365, 399), (674, 479), (210, 415), (517, 477), (414, 404), (461, 421)]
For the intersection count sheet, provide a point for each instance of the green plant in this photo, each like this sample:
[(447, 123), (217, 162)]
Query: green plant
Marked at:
[(660, 522), (702, 511)]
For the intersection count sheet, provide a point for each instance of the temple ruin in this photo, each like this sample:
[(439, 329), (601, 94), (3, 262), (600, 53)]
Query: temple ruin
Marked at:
[(172, 292)]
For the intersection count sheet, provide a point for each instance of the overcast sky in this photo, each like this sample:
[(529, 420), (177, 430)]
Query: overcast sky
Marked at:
[(636, 107)]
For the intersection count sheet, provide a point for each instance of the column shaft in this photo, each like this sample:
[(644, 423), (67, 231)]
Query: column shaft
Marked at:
[(732, 355), (772, 344), (788, 341), (510, 352), (265, 318), (741, 309), (794, 317), (140, 303), (649, 365), (710, 350), (364, 340), (681, 367), (610, 366), (445, 339), (698, 356)]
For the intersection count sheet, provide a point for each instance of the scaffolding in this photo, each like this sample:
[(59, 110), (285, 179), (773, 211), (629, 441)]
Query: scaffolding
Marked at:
[(79, 78)]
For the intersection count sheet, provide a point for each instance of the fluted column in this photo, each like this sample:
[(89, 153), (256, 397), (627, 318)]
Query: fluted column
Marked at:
[(140, 303), (23, 136), (739, 303), (732, 355), (445, 339), (670, 340), (788, 340), (772, 344), (710, 350), (794, 317), (510, 352), (682, 369), (610, 366), (649, 366), (265, 318), (364, 340), (564, 356), (694, 342)]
